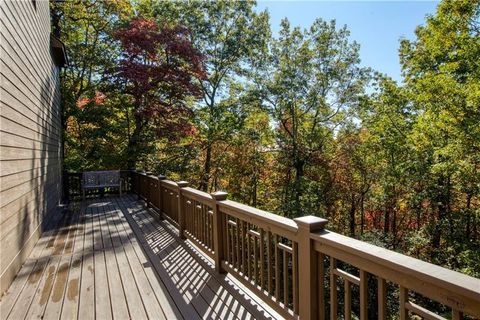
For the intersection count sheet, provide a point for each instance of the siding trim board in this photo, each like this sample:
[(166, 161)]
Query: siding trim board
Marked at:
[(30, 131)]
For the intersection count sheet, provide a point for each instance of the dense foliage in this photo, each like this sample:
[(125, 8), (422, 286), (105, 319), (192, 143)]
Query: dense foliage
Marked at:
[(292, 124)]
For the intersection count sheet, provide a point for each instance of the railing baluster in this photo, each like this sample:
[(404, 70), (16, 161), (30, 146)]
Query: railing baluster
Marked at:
[(160, 196), (269, 263), (277, 269), (382, 301), (195, 218), (232, 245), (209, 228), (225, 235), (243, 247), (188, 215), (321, 286), (204, 223), (295, 276), (363, 295), (249, 254), (348, 299), (255, 259), (333, 290), (181, 210), (262, 258), (403, 301), (237, 240), (201, 234), (285, 278), (234, 250), (199, 221), (218, 230)]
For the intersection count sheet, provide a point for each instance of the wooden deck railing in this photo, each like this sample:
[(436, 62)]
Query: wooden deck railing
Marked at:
[(72, 184), (300, 268)]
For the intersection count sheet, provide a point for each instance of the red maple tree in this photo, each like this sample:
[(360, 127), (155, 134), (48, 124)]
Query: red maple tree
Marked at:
[(157, 68)]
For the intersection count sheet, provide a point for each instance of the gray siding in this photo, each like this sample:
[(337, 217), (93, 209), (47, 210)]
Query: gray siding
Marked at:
[(30, 131)]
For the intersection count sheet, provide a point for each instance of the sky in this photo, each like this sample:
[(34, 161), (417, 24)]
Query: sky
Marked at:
[(377, 26)]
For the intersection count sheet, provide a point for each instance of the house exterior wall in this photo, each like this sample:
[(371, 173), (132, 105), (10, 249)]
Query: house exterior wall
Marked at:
[(30, 132)]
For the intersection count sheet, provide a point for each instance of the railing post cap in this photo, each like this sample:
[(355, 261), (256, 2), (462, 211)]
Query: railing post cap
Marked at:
[(311, 223), (219, 195), (182, 184), (161, 177)]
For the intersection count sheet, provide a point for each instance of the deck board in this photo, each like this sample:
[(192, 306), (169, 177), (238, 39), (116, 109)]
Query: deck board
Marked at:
[(71, 301), (103, 308), (86, 298), (111, 258), (29, 275), (115, 283)]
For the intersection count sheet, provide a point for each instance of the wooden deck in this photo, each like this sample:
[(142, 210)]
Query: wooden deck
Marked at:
[(109, 258)]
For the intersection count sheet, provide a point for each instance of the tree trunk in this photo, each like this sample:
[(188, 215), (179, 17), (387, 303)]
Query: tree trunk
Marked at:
[(206, 169), (394, 227), (437, 232), (254, 189), (443, 201), (468, 224), (362, 213), (352, 216), (419, 216), (386, 224), (133, 143), (299, 166)]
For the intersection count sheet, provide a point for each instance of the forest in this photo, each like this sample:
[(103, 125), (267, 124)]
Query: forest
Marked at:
[(289, 123)]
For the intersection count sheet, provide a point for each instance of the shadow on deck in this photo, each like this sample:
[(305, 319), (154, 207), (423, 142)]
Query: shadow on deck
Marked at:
[(110, 258)]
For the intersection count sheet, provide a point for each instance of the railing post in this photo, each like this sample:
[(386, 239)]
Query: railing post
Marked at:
[(148, 190), (133, 176), (160, 198), (181, 209), (308, 266), (139, 184), (218, 230)]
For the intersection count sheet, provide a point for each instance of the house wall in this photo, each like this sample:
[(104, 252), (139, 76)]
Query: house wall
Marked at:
[(30, 132)]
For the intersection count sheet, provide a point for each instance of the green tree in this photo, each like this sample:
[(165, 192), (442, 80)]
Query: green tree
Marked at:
[(312, 79), (93, 125), (442, 74), (386, 117), (230, 34)]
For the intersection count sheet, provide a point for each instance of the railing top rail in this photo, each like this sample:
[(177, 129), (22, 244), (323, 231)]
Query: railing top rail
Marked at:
[(172, 185), (425, 272), (198, 195), (281, 225)]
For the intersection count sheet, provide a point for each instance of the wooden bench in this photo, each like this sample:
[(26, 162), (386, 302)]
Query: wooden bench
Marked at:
[(101, 179)]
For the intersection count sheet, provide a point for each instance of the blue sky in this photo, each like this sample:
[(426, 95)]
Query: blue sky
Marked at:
[(376, 25)]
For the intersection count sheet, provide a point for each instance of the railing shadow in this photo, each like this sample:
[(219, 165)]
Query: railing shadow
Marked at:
[(195, 289), (182, 267)]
